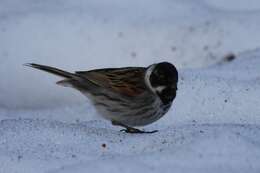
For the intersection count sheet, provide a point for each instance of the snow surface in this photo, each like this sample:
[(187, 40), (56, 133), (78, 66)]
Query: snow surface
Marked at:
[(213, 125)]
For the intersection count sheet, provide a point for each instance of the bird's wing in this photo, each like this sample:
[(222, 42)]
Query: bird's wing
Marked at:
[(127, 81)]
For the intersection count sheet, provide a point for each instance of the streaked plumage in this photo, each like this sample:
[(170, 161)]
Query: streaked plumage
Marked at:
[(129, 96)]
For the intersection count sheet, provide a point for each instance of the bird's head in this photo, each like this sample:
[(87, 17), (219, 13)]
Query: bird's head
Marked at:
[(162, 80)]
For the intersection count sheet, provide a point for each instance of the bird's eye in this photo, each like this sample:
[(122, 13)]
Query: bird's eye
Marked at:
[(161, 76)]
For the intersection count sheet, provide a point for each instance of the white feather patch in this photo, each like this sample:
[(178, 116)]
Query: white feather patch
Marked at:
[(147, 78), (64, 83)]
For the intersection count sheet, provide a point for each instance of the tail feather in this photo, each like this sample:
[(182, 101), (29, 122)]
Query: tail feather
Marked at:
[(52, 70), (66, 82), (71, 80)]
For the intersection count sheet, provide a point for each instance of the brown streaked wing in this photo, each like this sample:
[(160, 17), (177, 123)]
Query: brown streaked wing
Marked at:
[(128, 81)]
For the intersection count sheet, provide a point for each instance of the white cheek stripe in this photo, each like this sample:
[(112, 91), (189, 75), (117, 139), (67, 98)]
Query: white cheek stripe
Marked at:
[(160, 88), (147, 77)]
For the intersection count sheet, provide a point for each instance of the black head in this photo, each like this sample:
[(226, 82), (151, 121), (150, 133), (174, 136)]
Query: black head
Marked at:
[(162, 79)]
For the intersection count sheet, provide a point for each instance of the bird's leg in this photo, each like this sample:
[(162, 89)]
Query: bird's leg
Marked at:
[(131, 129)]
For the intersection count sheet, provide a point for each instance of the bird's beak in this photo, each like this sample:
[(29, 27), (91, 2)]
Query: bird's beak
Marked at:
[(175, 87)]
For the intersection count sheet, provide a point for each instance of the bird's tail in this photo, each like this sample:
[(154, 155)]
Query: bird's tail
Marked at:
[(71, 79), (52, 70)]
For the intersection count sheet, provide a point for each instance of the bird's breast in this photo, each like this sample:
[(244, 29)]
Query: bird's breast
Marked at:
[(138, 111)]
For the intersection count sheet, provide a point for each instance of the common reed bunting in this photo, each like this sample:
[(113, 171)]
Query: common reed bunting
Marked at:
[(129, 96)]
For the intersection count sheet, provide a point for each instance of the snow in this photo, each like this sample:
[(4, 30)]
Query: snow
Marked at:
[(87, 34), (213, 125)]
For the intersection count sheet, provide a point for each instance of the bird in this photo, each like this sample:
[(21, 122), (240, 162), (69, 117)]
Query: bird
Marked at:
[(129, 97)]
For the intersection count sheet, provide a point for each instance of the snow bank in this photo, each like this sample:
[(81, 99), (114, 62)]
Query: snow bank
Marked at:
[(82, 35)]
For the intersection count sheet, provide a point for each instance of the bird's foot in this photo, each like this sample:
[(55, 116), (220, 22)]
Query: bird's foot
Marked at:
[(133, 130)]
